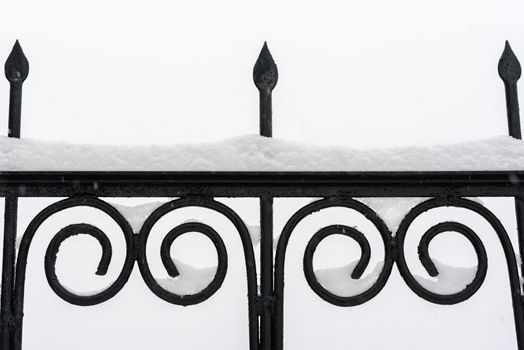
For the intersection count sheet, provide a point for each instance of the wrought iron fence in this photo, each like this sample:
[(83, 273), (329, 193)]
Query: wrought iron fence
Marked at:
[(265, 304)]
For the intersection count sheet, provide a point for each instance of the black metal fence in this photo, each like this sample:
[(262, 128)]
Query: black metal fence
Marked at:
[(265, 304)]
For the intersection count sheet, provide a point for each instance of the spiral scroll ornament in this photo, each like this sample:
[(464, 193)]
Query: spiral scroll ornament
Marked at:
[(184, 228), (331, 230), (66, 233), (471, 287)]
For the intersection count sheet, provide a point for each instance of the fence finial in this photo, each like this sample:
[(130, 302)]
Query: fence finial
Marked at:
[(265, 73), (510, 71), (16, 70), (265, 76), (16, 66)]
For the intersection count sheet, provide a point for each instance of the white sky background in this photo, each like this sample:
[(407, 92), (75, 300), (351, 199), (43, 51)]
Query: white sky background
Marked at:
[(357, 73)]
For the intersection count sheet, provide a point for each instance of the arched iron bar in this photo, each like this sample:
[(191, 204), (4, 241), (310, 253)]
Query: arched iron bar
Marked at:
[(477, 244), (70, 297), (323, 293), (249, 257)]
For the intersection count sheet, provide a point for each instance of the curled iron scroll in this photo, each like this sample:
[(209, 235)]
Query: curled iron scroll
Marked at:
[(186, 300), (318, 289), (207, 231), (312, 245), (471, 288), (322, 234), (177, 232), (54, 247), (172, 270), (64, 234), (469, 234)]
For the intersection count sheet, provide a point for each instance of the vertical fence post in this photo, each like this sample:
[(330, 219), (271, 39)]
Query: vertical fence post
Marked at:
[(265, 76), (16, 71), (510, 71)]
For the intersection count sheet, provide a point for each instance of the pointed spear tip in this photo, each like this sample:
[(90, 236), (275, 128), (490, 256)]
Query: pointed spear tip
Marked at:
[(16, 66), (265, 51), (507, 49), (265, 72), (509, 66)]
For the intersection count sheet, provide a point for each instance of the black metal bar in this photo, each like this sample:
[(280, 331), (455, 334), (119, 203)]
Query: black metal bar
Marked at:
[(519, 213), (510, 71), (15, 109), (266, 272), (257, 184), (265, 76), (8, 266), (16, 70)]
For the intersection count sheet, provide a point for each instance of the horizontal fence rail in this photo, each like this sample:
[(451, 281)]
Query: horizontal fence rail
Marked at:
[(255, 184), (200, 189)]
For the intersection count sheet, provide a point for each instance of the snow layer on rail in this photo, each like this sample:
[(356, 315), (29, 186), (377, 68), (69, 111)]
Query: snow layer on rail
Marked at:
[(257, 153)]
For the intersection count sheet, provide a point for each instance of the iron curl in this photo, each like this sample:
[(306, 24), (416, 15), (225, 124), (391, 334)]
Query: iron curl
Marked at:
[(323, 233), (184, 228), (359, 269), (64, 234), (449, 226)]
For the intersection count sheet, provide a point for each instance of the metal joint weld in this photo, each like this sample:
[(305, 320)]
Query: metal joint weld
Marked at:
[(393, 244), (449, 196), (135, 245), (198, 197), (84, 195)]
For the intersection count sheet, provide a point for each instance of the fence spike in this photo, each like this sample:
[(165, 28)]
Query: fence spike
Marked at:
[(510, 71), (265, 73), (265, 76), (16, 66)]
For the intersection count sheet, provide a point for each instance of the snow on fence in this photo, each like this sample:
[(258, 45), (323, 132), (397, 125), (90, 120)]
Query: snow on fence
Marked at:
[(263, 168)]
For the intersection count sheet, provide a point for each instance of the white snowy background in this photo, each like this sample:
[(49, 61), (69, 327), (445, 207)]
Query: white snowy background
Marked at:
[(358, 74)]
